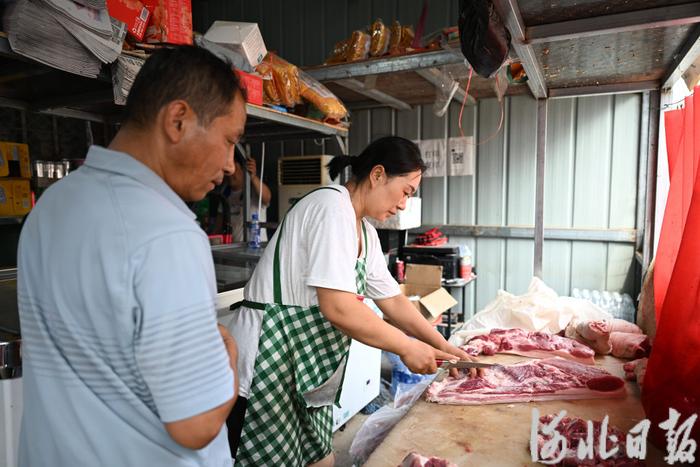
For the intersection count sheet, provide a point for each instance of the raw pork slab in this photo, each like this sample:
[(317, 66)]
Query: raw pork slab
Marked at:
[(576, 429), (416, 460), (537, 380), (530, 344)]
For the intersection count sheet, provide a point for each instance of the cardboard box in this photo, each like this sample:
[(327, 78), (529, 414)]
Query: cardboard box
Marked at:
[(22, 197), (171, 21), (131, 12), (253, 85), (7, 206), (244, 38), (4, 160), (409, 218), (17, 152), (425, 281)]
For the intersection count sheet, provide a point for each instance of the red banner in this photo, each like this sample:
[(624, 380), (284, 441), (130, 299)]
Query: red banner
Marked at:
[(673, 374)]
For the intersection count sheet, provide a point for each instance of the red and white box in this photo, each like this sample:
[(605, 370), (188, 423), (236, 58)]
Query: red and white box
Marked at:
[(171, 22), (131, 12)]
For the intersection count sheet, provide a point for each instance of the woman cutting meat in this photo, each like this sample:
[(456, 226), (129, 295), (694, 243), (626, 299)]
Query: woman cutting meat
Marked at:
[(304, 304)]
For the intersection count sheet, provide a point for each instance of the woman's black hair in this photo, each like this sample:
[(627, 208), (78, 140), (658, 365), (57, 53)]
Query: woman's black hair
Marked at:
[(397, 155)]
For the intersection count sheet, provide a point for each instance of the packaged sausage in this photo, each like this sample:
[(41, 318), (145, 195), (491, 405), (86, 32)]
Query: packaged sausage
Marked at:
[(270, 94), (358, 47), (286, 80), (379, 38), (407, 36), (395, 39), (340, 52), (324, 100)]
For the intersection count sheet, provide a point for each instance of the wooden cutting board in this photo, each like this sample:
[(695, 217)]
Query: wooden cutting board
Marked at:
[(499, 434)]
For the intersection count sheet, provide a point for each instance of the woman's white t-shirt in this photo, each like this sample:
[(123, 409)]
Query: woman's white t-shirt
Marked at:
[(318, 248)]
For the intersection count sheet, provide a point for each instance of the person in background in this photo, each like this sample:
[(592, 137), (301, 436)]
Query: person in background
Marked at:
[(123, 361), (304, 304), (234, 192)]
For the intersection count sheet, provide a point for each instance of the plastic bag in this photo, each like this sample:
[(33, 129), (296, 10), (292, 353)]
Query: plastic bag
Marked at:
[(358, 46), (270, 94), (484, 39), (401, 38), (340, 52), (380, 38), (286, 79), (324, 100), (378, 425)]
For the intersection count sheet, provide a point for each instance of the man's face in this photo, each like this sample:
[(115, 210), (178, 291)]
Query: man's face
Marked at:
[(204, 155)]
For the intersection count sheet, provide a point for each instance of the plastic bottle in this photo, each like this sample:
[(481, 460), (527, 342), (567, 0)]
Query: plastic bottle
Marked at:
[(254, 232)]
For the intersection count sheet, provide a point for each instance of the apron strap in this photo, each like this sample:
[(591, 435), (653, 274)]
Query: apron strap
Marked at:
[(364, 234), (248, 304), (277, 282)]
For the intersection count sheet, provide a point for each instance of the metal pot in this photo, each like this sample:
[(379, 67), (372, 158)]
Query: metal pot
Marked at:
[(10, 359)]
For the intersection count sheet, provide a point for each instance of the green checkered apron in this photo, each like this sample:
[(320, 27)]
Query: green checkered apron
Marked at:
[(298, 351)]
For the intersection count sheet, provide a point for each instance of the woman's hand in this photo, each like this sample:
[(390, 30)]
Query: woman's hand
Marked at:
[(421, 358), (456, 351)]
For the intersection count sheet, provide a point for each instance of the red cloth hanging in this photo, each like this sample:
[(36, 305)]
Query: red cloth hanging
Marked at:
[(673, 373)]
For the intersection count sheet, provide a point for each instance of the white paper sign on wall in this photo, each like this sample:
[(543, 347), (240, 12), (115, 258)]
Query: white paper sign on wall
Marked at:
[(434, 156), (460, 160)]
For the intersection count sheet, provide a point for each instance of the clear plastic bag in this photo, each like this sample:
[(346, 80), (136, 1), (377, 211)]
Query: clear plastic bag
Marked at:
[(285, 77), (380, 38), (311, 90), (340, 52), (358, 46), (378, 425)]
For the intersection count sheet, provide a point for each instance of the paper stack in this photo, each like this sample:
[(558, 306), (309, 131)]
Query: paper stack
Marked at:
[(124, 72)]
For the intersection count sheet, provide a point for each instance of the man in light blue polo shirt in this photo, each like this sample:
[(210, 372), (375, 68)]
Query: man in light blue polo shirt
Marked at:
[(123, 362)]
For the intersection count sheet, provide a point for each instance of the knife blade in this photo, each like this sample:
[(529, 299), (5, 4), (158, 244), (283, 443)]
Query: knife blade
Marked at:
[(465, 364)]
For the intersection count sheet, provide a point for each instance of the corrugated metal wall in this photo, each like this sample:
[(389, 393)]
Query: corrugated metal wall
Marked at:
[(592, 152)]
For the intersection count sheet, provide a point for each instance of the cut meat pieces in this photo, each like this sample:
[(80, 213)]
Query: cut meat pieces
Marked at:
[(636, 370), (629, 345), (536, 380), (619, 337), (575, 430), (530, 344), (416, 460)]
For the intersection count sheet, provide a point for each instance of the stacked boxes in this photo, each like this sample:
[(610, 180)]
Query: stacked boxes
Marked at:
[(15, 191)]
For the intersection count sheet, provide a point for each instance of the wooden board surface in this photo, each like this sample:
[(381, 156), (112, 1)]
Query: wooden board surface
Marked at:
[(499, 434)]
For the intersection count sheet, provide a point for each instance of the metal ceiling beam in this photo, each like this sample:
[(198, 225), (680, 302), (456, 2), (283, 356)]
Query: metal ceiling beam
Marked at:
[(674, 15), (510, 14), (615, 88), (379, 96), (439, 78), (683, 59)]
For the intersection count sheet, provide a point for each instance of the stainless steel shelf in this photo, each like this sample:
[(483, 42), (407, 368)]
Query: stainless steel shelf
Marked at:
[(268, 124), (379, 66)]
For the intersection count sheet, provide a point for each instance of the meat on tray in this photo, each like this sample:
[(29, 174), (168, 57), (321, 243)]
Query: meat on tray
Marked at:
[(537, 380), (529, 344), (575, 429), (416, 460), (618, 337)]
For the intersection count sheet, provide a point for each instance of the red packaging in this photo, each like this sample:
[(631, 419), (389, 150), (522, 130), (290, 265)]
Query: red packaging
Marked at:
[(131, 12), (253, 85), (400, 271), (171, 21)]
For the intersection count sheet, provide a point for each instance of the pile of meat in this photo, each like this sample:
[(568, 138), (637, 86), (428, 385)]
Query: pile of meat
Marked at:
[(416, 460), (635, 370), (618, 337), (535, 380), (576, 429), (529, 344)]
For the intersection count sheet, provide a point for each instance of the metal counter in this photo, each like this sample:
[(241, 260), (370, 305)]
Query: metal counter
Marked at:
[(234, 264)]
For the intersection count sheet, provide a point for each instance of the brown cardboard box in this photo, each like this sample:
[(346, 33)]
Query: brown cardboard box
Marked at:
[(424, 281), (22, 197)]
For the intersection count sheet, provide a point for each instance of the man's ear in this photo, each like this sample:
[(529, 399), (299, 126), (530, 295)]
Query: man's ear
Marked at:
[(175, 117)]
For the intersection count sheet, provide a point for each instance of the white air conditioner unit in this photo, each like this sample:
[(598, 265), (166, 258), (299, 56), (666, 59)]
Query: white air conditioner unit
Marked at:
[(298, 175)]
